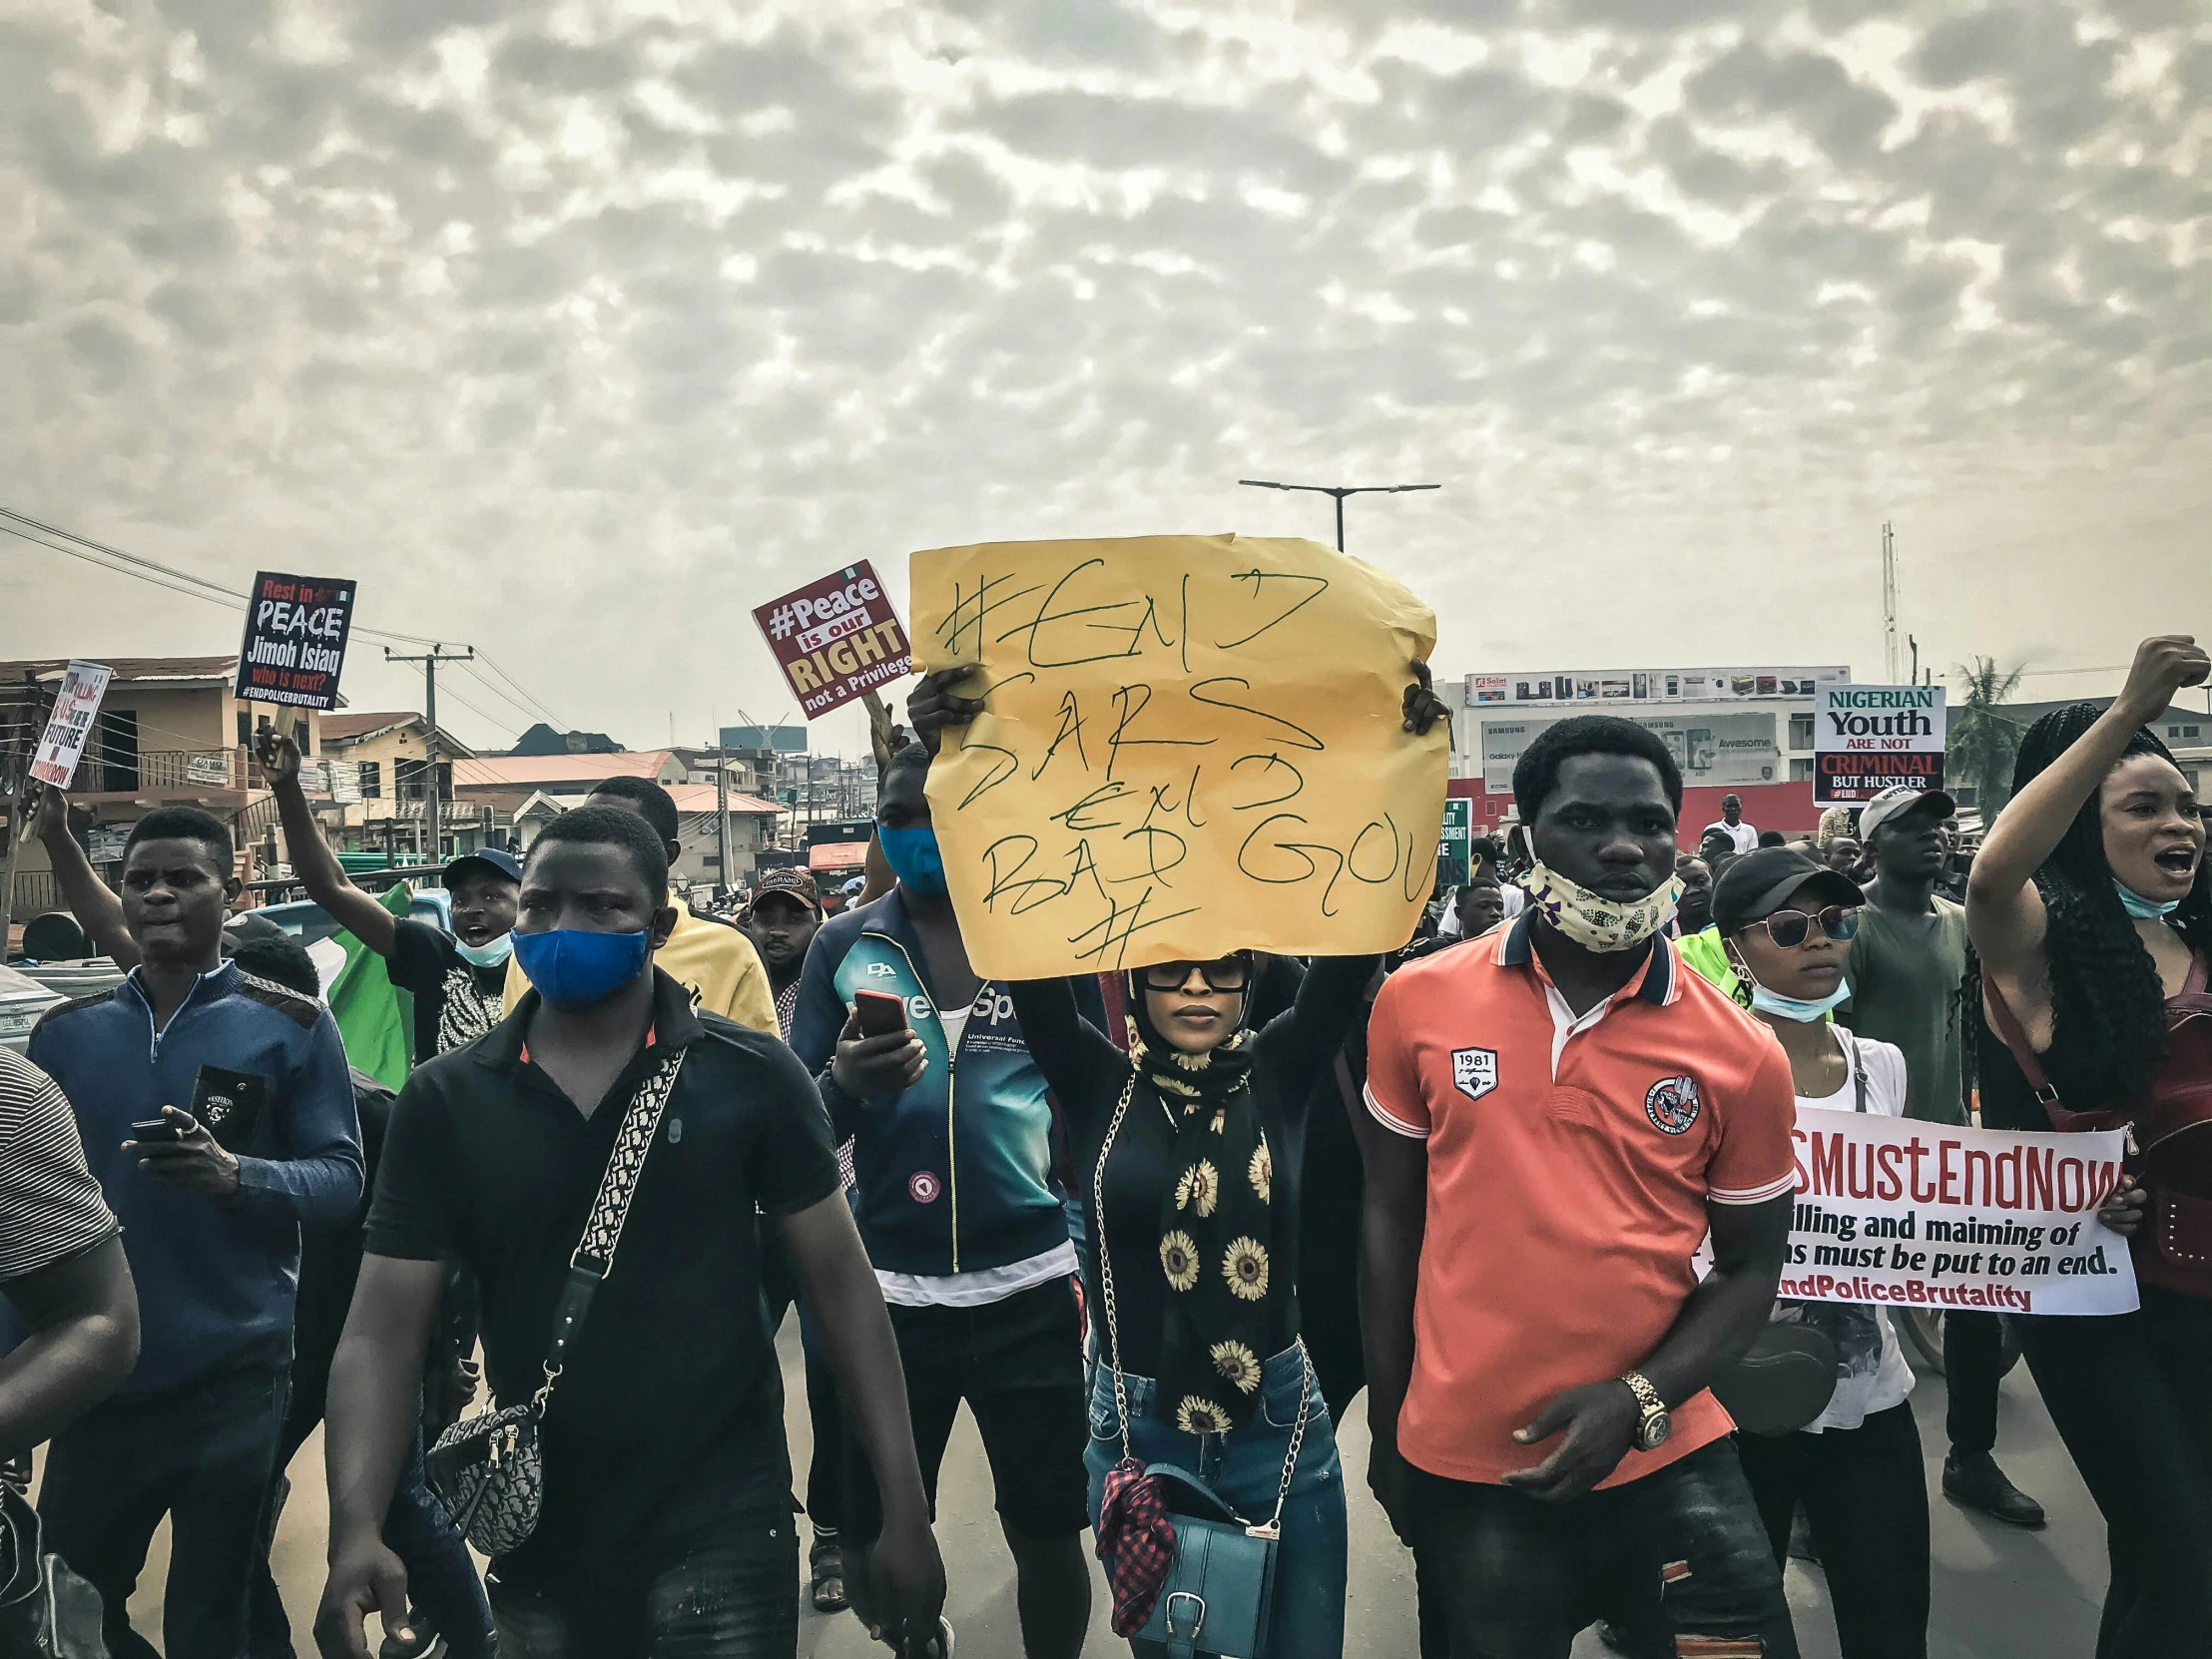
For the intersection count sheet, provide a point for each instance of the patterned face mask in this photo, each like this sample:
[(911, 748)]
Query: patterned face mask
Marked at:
[(1594, 922)]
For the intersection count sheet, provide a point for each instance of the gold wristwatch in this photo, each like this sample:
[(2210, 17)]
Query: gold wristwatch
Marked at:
[(1654, 1423)]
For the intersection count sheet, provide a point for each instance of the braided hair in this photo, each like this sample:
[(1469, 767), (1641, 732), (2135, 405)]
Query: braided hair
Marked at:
[(2108, 1007)]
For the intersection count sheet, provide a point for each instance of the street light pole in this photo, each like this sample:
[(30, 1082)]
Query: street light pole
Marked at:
[(1339, 491)]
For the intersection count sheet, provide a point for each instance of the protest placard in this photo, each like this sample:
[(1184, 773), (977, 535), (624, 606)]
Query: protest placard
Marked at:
[(1190, 745), (1867, 738), (294, 646), (835, 638), (1901, 1212), (69, 727), (1453, 853)]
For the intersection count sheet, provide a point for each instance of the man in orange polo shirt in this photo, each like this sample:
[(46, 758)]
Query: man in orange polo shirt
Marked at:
[(1572, 1111)]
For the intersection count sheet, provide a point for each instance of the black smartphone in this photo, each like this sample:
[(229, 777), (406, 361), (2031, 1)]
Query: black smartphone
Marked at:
[(161, 1129), (881, 1012)]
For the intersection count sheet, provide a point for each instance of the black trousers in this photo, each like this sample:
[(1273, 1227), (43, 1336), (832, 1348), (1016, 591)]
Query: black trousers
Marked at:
[(1973, 1367), (2129, 1394), (199, 1453), (1678, 1559), (1864, 1490)]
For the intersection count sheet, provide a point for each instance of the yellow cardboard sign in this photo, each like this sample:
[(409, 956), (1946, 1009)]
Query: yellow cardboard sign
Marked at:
[(1190, 745)]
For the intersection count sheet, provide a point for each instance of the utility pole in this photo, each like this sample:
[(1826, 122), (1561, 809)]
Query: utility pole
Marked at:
[(1339, 491), (722, 815), (429, 660), (1914, 678), (1888, 601)]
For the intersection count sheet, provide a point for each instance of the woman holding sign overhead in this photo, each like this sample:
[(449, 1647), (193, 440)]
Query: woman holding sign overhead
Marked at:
[(2093, 912), (1205, 1405)]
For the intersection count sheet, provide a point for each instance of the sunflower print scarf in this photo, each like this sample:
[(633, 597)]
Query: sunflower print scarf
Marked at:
[(1217, 1236)]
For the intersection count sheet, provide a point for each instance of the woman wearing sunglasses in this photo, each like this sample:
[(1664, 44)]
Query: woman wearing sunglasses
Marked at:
[(1787, 924), (1195, 1138)]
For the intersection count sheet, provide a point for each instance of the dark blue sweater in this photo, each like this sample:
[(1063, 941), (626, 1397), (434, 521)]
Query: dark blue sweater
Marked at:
[(216, 1278)]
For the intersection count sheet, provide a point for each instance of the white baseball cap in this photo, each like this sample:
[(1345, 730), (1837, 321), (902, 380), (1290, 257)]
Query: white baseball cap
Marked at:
[(1900, 798)]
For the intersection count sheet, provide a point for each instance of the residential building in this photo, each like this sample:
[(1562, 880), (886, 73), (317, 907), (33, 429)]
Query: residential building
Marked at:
[(541, 738), (753, 826), (1746, 731), (168, 734), (384, 757)]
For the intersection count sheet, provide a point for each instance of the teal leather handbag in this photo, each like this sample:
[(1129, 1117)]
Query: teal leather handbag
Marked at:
[(1221, 1582), (1219, 1589)]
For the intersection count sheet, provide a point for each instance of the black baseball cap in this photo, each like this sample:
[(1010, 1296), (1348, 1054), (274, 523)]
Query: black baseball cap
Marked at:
[(1756, 884), (497, 859)]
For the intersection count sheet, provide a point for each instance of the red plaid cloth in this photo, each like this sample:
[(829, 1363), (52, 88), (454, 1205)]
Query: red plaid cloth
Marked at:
[(1136, 1542)]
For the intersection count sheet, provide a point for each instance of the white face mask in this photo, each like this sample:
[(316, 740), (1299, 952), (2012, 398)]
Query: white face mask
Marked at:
[(1594, 922), (493, 954)]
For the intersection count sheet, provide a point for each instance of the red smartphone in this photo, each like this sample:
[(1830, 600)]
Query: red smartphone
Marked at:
[(880, 1013)]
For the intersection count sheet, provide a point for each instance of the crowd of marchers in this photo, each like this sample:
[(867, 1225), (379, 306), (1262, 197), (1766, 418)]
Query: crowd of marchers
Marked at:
[(1528, 1182)]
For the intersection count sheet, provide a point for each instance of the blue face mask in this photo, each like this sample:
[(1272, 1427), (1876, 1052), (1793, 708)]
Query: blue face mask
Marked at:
[(1790, 1007), (913, 856), (573, 967), (493, 954), (2141, 909)]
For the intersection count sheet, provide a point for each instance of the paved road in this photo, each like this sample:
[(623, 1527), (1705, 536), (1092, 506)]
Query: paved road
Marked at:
[(1999, 1594)]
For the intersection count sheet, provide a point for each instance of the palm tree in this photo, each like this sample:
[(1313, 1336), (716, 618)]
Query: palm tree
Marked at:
[(1984, 739)]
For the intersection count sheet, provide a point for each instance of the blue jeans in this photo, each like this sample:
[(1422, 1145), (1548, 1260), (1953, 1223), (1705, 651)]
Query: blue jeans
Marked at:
[(1245, 1466), (199, 1453)]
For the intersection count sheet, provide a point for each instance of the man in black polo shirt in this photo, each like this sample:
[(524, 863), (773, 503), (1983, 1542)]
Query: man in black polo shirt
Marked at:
[(666, 1519)]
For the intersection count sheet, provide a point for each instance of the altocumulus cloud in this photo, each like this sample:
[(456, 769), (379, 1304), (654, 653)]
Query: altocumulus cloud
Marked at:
[(579, 329)]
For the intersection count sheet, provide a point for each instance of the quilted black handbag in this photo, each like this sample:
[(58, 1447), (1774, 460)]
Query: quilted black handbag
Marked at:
[(488, 1471), (46, 1610)]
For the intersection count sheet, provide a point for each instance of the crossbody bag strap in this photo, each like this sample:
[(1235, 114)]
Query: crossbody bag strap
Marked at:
[(1856, 1058), (594, 1255), (2008, 1027), (1274, 1526)]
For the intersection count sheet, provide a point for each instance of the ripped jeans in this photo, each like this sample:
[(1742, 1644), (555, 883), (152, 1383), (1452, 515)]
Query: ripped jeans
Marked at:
[(733, 1595), (1679, 1558)]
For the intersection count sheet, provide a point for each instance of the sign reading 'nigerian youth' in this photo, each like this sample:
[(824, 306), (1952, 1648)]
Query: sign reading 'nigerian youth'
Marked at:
[(1867, 738), (294, 649), (835, 638)]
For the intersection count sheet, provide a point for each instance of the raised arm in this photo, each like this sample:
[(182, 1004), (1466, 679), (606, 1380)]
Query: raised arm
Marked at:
[(311, 858), (90, 900), (1075, 1056), (2005, 912), (1300, 1043)]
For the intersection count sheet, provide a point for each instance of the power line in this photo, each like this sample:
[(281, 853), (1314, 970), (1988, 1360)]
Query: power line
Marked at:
[(104, 557)]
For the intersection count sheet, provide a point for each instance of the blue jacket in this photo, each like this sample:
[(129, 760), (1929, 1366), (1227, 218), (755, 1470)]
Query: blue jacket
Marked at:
[(956, 1173), (216, 1279)]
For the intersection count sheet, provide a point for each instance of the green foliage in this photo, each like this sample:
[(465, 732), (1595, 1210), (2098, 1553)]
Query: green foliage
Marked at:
[(1983, 740)]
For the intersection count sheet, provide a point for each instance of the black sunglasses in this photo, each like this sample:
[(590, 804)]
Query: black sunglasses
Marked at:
[(1788, 928), (1226, 973)]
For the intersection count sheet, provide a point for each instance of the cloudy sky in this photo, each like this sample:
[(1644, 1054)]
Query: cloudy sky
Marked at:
[(577, 330)]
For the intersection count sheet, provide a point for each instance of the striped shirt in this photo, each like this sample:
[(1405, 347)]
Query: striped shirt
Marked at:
[(50, 1206)]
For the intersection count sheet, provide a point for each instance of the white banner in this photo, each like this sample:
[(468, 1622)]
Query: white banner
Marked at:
[(1901, 1212), (69, 729)]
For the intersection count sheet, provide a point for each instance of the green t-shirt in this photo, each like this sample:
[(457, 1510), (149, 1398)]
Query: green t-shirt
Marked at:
[(1908, 987)]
